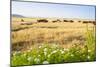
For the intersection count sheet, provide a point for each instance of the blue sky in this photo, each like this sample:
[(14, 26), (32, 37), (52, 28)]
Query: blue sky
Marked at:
[(33, 9)]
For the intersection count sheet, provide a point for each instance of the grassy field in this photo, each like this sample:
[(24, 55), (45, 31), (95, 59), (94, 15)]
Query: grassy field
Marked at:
[(48, 43)]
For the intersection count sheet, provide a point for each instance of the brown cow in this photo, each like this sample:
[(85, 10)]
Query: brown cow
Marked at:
[(56, 21), (93, 22), (71, 21), (85, 21), (65, 21), (79, 21), (42, 20)]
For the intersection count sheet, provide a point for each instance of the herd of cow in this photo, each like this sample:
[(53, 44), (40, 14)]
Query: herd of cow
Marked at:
[(54, 21), (45, 20)]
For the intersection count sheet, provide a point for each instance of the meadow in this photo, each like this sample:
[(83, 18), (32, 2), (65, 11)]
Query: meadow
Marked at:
[(52, 41)]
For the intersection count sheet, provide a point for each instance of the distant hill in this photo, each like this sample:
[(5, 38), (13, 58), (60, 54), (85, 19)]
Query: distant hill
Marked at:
[(16, 15)]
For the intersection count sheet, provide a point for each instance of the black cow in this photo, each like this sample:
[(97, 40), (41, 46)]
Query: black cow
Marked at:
[(56, 21), (71, 21), (65, 20), (42, 20), (93, 22)]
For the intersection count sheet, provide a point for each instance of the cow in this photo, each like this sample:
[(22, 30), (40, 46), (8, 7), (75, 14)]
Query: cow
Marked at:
[(65, 20), (56, 21), (42, 20), (86, 22), (71, 21), (79, 21), (93, 22)]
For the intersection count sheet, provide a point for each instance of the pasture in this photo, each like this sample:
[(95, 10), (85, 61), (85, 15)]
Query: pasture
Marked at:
[(66, 40)]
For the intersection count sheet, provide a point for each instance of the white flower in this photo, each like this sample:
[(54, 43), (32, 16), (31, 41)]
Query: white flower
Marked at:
[(45, 49), (24, 54), (54, 51), (17, 53), (30, 59), (89, 50), (49, 55), (88, 57), (61, 51), (40, 46), (45, 53), (37, 60), (39, 55), (14, 53), (72, 55), (45, 62)]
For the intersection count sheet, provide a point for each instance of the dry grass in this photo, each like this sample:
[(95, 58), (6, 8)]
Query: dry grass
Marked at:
[(62, 33), (53, 42)]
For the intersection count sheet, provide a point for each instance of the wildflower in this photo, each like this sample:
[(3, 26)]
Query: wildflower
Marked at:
[(45, 62), (30, 59), (37, 60), (61, 51), (17, 53), (88, 57), (40, 46), (49, 55), (45, 53), (89, 50), (39, 55), (72, 55), (45, 49), (54, 52), (24, 54)]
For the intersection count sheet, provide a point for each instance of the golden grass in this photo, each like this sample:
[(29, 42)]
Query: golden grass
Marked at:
[(58, 33)]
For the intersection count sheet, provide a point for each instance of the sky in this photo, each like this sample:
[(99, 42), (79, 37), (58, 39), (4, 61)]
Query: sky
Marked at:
[(33, 9)]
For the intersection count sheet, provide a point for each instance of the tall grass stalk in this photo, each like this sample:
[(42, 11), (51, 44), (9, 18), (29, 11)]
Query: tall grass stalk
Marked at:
[(91, 43)]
